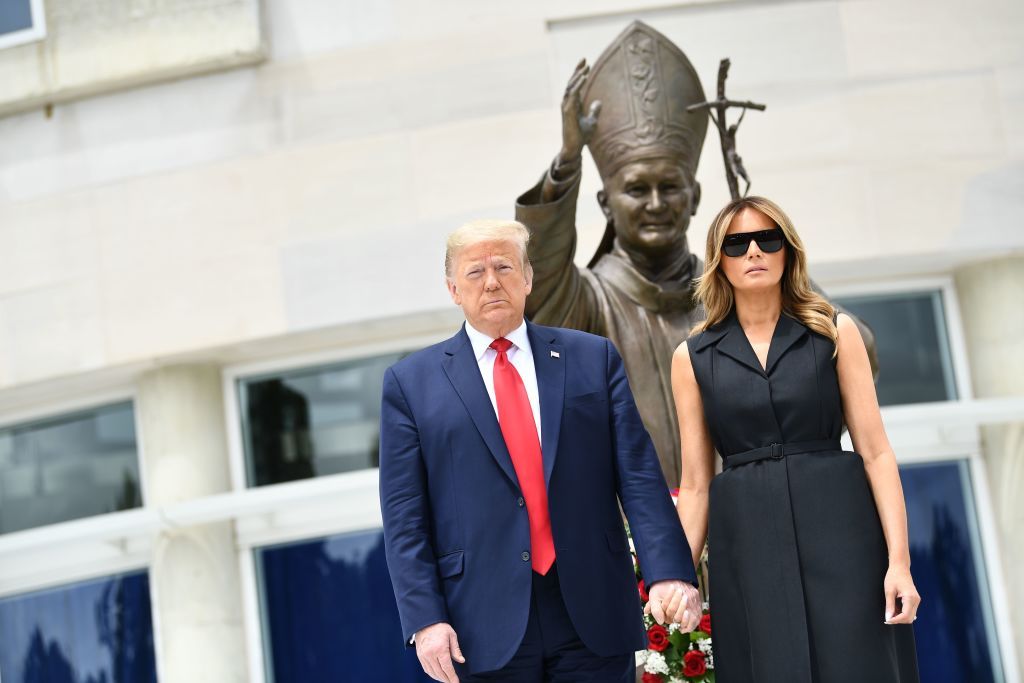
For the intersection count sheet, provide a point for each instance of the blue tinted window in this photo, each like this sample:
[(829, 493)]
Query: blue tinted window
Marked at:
[(913, 352), (314, 421), (92, 632), (330, 614), (955, 631), (68, 467), (15, 15)]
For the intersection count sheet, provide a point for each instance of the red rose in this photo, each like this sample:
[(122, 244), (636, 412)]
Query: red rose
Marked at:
[(652, 678), (643, 591), (693, 663), (705, 623), (657, 638)]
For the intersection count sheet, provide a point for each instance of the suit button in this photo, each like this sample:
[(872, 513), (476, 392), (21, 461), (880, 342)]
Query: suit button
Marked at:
[(526, 557), (521, 501)]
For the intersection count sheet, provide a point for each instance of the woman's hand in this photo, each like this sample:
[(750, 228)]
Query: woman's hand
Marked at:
[(899, 584)]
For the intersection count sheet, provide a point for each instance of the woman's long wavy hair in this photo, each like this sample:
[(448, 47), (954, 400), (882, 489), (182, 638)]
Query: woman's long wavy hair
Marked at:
[(799, 300)]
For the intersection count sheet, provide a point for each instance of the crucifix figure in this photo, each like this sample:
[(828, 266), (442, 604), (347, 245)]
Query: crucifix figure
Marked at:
[(716, 111)]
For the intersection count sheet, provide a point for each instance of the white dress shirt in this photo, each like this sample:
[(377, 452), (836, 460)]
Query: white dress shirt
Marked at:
[(519, 354)]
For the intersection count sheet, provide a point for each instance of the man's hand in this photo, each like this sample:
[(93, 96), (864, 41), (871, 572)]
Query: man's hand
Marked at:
[(436, 646), (675, 601), (576, 127)]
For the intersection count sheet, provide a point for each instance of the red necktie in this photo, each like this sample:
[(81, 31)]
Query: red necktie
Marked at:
[(515, 416)]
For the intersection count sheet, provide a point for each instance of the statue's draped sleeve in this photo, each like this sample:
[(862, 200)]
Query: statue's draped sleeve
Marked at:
[(563, 295)]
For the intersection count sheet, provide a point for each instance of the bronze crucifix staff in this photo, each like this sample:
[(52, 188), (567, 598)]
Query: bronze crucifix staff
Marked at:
[(733, 161)]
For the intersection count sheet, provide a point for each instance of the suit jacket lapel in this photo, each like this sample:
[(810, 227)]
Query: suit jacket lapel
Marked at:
[(549, 361), (461, 367)]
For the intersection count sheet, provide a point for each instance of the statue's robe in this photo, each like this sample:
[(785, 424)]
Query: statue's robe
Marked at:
[(645, 321)]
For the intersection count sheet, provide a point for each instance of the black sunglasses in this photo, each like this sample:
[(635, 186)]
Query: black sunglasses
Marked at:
[(769, 241)]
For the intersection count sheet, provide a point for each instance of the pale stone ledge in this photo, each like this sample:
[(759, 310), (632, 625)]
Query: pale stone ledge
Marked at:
[(95, 46)]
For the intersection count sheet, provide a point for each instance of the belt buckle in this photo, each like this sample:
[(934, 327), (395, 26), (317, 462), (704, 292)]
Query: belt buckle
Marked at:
[(777, 452)]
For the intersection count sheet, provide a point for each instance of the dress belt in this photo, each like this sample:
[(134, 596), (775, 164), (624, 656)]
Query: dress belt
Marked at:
[(777, 451)]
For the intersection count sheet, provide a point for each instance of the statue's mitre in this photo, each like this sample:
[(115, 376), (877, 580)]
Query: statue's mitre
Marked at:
[(644, 83)]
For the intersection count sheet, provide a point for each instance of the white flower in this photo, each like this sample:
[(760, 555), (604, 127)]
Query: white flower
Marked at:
[(656, 663), (641, 657), (705, 646), (673, 627), (706, 605), (676, 680)]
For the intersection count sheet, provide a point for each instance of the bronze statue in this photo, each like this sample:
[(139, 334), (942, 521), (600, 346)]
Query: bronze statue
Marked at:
[(631, 110)]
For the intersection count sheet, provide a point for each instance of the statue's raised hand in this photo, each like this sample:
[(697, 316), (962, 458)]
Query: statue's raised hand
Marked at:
[(577, 127)]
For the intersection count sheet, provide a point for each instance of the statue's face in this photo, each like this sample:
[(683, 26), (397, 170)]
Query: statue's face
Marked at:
[(650, 203)]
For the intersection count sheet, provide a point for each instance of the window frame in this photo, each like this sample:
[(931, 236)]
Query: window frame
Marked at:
[(49, 410), (986, 557), (233, 375), (992, 565), (126, 533), (28, 35), (82, 404), (154, 622), (361, 516), (243, 475), (955, 338), (105, 545), (917, 431)]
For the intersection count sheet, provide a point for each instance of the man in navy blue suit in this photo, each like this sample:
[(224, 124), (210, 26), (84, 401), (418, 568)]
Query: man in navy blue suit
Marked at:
[(505, 453)]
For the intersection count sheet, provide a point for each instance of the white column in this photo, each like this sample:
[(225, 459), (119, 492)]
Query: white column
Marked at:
[(991, 297), (194, 574)]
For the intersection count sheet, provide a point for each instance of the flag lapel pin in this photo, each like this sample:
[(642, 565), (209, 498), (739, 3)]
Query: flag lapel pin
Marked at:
[(555, 354)]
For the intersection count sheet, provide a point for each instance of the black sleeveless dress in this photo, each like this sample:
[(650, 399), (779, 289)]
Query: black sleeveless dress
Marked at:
[(797, 556)]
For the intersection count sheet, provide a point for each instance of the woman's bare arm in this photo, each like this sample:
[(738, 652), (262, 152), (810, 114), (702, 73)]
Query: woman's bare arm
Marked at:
[(860, 410), (698, 453)]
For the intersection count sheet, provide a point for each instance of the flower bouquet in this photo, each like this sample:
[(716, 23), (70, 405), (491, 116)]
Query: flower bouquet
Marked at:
[(672, 655)]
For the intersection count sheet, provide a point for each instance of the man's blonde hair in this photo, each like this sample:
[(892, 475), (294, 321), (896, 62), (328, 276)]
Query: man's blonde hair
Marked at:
[(486, 230)]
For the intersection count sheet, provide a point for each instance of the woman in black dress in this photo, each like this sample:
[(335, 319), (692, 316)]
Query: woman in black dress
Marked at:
[(809, 564)]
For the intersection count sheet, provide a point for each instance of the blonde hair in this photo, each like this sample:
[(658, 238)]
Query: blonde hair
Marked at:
[(486, 230), (799, 300)]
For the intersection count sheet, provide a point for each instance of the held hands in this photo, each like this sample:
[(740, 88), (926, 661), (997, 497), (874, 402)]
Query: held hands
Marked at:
[(674, 601), (436, 647), (899, 584), (577, 127)]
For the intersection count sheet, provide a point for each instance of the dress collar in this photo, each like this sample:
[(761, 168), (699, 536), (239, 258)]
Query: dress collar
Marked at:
[(729, 338)]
